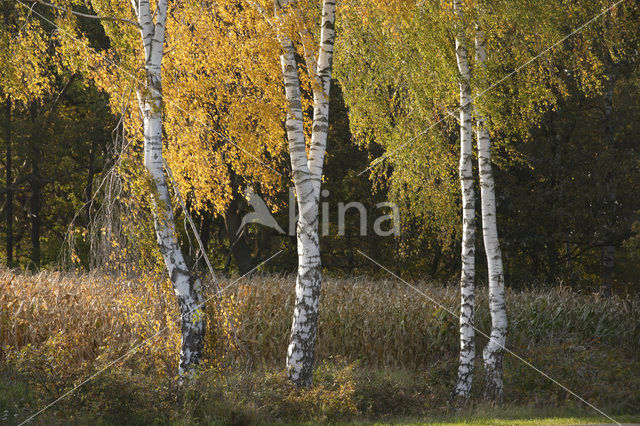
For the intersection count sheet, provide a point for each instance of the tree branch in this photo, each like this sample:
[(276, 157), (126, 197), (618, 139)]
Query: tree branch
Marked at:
[(306, 39), (86, 15), (261, 11)]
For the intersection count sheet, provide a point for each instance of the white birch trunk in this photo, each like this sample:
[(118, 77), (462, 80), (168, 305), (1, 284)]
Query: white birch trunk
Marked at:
[(307, 177), (321, 95), (301, 351), (186, 287), (494, 351), (462, 389)]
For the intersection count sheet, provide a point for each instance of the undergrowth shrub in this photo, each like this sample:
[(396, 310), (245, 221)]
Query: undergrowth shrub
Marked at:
[(266, 396), (606, 378)]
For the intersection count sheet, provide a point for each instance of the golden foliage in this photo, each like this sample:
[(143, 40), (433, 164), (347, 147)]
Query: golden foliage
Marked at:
[(224, 103), (26, 73)]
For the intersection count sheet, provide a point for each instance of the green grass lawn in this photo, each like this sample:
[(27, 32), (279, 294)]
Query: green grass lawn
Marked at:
[(525, 416)]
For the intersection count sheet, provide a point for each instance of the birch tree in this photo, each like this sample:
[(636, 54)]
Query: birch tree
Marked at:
[(467, 276), (219, 117), (411, 88), (151, 26), (307, 176), (186, 287), (494, 351)]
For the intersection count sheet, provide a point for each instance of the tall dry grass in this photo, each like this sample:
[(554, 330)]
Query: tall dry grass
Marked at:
[(387, 324), (58, 324), (382, 323), (58, 328), (38, 306)]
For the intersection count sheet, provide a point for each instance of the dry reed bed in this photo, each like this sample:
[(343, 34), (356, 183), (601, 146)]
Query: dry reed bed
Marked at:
[(388, 324), (79, 314), (382, 323)]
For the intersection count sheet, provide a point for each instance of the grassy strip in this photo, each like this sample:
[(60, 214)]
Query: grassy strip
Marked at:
[(343, 393)]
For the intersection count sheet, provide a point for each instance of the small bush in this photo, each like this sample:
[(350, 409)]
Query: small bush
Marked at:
[(270, 396)]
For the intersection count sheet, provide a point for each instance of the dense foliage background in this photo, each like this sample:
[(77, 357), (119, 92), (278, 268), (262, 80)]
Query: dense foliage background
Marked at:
[(566, 169)]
